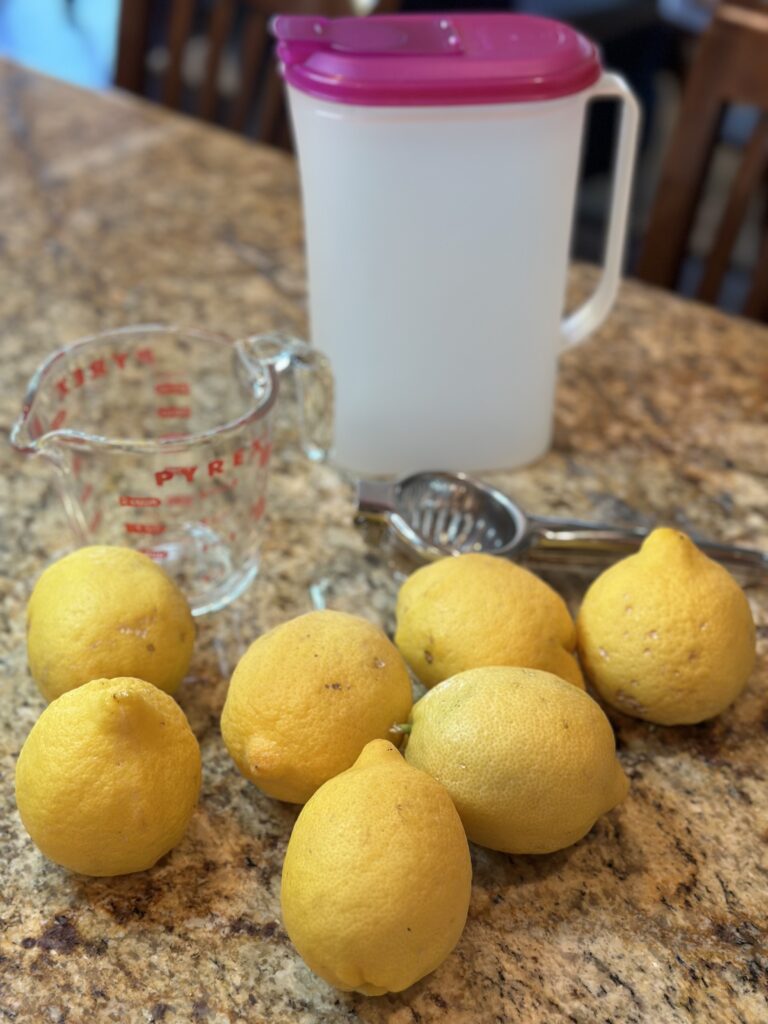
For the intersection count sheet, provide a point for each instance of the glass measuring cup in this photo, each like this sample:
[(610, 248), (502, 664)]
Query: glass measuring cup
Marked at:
[(161, 438)]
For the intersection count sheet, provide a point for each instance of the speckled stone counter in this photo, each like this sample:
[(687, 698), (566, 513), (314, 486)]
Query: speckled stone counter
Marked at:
[(114, 212)]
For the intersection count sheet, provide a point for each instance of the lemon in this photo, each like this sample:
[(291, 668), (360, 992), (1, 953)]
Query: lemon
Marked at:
[(472, 610), (108, 777), (306, 697), (529, 759), (107, 611), (667, 634), (377, 876)]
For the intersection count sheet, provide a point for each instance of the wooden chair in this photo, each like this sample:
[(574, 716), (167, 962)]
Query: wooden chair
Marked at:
[(730, 66), (231, 31)]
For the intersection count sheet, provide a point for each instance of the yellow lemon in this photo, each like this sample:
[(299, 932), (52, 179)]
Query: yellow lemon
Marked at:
[(306, 697), (667, 634), (377, 876), (529, 760), (107, 779), (107, 611), (472, 610)]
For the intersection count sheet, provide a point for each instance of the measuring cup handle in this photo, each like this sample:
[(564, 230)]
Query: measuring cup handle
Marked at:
[(593, 312), (309, 371)]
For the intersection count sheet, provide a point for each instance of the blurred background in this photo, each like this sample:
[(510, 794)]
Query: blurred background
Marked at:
[(653, 43)]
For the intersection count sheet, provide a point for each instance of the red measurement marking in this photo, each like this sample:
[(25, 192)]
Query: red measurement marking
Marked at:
[(257, 510), (95, 521), (154, 553), (98, 368), (58, 419), (264, 451), (170, 388), (180, 499), (153, 528), (86, 493), (128, 501), (174, 412)]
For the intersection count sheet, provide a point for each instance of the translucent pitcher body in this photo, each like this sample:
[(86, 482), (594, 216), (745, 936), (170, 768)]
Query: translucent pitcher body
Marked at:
[(438, 243)]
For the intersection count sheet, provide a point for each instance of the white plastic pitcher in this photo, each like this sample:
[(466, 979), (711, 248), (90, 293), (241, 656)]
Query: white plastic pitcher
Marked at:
[(439, 158)]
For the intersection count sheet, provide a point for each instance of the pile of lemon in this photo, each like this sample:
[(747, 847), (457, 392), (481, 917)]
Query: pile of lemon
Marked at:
[(506, 748), (109, 776)]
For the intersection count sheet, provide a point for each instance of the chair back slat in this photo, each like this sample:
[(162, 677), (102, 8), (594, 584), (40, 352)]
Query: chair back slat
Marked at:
[(272, 116), (222, 17), (252, 58), (133, 33), (180, 29)]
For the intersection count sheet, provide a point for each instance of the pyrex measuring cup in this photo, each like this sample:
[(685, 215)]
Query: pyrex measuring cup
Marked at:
[(161, 437)]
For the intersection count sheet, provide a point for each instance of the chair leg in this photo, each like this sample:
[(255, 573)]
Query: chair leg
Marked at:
[(181, 24), (685, 168), (756, 305), (751, 170)]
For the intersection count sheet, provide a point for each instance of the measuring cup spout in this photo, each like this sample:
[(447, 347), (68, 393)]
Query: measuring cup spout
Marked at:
[(41, 419), (29, 436), (21, 438), (306, 373)]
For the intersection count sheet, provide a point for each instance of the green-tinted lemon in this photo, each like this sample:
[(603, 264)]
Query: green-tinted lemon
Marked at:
[(529, 759)]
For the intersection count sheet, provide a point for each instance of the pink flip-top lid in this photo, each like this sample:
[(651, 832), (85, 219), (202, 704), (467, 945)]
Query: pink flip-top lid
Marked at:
[(434, 59)]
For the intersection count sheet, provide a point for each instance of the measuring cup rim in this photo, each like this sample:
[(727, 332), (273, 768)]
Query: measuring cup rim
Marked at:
[(181, 441)]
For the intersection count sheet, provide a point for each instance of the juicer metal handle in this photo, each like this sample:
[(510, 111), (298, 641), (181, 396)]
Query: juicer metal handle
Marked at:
[(308, 373), (579, 324), (560, 540)]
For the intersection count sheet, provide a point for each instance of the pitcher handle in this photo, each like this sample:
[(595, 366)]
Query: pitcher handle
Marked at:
[(310, 373), (593, 312)]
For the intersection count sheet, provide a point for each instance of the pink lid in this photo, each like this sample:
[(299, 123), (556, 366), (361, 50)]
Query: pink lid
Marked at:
[(434, 59)]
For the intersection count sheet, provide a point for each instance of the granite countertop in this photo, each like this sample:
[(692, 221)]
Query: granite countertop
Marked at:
[(112, 212)]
